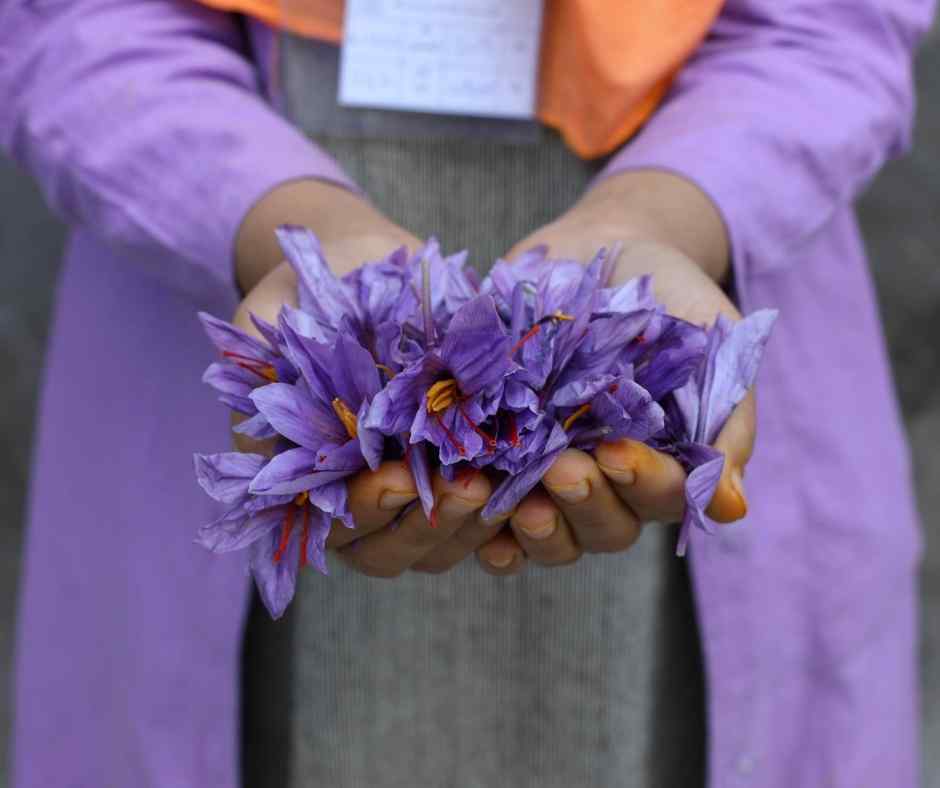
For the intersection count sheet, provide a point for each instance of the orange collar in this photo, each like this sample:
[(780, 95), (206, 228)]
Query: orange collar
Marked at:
[(605, 64)]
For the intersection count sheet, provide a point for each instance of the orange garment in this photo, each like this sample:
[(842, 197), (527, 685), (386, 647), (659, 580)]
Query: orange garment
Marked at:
[(605, 64)]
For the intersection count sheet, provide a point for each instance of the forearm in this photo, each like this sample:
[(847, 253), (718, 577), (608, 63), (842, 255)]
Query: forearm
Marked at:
[(782, 116), (335, 214), (142, 120), (658, 206)]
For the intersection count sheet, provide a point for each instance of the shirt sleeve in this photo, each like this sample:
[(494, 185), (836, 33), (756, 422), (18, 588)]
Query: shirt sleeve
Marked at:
[(786, 111), (143, 121)]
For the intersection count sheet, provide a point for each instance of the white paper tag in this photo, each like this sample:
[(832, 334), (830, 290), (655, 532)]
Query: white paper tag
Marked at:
[(459, 57)]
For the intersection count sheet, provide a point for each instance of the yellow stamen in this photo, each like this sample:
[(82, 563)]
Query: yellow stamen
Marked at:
[(442, 395), (346, 416), (576, 415), (268, 372), (559, 315), (302, 498), (386, 370)]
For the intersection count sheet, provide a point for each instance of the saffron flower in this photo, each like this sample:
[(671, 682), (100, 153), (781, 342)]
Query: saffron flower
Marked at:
[(283, 533), (246, 363), (412, 357), (318, 414), (446, 397), (700, 408)]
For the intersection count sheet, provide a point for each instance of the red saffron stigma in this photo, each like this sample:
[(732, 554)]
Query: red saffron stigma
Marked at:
[(259, 368), (286, 529), (639, 339), (433, 520), (488, 439), (467, 476), (450, 435), (305, 538), (525, 338), (513, 431)]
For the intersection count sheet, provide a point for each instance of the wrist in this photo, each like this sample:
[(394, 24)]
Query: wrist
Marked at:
[(335, 214), (662, 208)]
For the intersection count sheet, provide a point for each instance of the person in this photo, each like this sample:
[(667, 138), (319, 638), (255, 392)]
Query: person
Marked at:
[(151, 128)]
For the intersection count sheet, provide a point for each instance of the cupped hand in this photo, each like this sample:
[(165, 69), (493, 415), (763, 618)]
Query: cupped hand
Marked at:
[(598, 503), (392, 533)]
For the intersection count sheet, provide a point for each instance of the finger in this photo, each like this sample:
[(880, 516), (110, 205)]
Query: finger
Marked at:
[(468, 538), (502, 555), (375, 499), (649, 482), (542, 532), (390, 551), (278, 287), (601, 522), (736, 442)]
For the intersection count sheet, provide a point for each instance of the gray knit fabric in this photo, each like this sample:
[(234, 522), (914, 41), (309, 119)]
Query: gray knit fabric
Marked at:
[(577, 677)]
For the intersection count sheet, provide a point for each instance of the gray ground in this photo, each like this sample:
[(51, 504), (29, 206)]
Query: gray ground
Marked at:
[(901, 217)]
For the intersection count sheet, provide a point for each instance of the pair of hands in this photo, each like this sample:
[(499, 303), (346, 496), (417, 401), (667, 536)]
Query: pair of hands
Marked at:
[(587, 503)]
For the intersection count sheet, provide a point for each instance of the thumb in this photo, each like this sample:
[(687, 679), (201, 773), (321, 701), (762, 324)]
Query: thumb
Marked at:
[(736, 442), (265, 299)]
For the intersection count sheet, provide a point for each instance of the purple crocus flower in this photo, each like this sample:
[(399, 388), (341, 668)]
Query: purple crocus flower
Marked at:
[(283, 533), (246, 364), (700, 408), (377, 294), (447, 395), (608, 407), (319, 415), (544, 443)]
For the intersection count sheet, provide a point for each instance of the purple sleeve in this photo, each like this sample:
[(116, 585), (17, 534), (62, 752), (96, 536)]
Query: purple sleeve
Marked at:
[(142, 121), (785, 112)]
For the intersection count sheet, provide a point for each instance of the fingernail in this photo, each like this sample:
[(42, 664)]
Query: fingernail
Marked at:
[(453, 506), (392, 500), (573, 493), (737, 484), (500, 560), (625, 476), (496, 520), (542, 531)]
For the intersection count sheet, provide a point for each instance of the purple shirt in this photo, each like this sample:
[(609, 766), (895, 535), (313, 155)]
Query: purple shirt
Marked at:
[(145, 124)]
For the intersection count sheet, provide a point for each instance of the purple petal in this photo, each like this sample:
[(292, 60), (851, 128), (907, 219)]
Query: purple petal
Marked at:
[(371, 441), (514, 487), (705, 465), (299, 470), (476, 346), (320, 293), (579, 392), (670, 353), (276, 581), (257, 428), (292, 471), (303, 325), (298, 416), (228, 533), (225, 477), (234, 383), (733, 357), (320, 525), (393, 409), (417, 456), (632, 295), (629, 411), (229, 339), (333, 499)]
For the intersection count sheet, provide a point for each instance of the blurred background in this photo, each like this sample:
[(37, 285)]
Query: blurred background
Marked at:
[(900, 217)]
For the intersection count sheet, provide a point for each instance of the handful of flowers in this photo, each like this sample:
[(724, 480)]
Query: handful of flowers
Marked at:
[(414, 357)]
